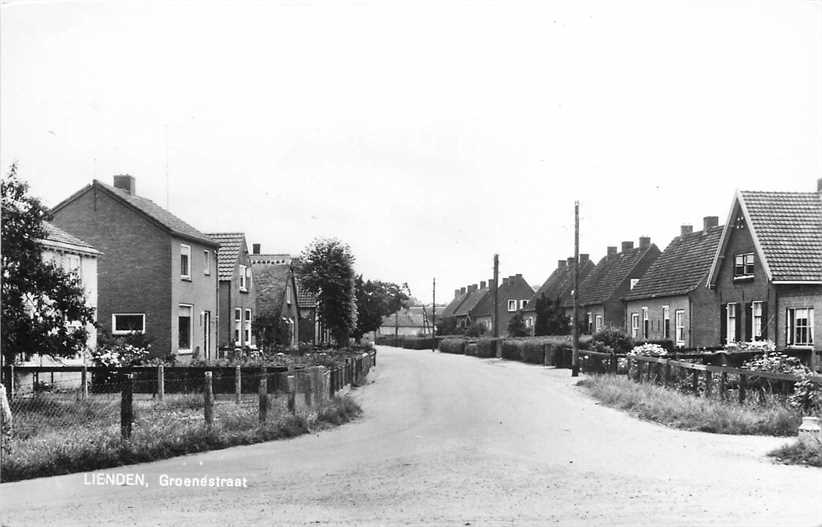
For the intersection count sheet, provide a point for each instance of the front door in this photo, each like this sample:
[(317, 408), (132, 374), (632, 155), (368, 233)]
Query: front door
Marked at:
[(207, 335)]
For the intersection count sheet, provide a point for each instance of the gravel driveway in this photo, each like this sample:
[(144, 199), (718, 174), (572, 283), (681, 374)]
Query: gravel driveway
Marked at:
[(454, 440)]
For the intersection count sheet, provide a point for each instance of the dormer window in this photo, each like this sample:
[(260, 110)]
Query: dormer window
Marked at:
[(744, 265)]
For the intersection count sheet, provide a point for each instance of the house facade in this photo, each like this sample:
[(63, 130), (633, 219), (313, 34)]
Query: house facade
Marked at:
[(671, 300), (276, 291), (600, 295), (513, 295), (558, 286), (237, 299), (467, 312), (767, 270), (156, 273), (410, 321)]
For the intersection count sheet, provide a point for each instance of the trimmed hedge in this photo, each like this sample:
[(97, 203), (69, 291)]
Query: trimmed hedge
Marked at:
[(453, 346)]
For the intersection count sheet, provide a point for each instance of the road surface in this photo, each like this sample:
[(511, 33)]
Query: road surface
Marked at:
[(455, 440)]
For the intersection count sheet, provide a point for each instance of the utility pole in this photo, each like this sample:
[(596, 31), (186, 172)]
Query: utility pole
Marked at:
[(495, 321), (434, 316), (575, 352)]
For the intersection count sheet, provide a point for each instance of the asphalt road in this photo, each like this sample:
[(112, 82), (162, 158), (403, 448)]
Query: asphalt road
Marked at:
[(454, 440)]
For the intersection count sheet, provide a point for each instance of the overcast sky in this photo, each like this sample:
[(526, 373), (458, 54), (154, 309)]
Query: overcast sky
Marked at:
[(428, 135)]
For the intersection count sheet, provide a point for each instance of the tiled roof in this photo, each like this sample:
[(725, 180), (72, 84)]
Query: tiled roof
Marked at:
[(270, 282), (681, 267), (602, 283), (412, 317), (231, 244), (150, 209), (473, 298), (560, 283), (788, 226), (512, 288), (58, 235), (451, 309)]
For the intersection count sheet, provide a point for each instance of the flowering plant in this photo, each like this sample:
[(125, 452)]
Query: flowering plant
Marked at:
[(806, 396), (776, 363), (649, 350), (116, 354), (762, 346)]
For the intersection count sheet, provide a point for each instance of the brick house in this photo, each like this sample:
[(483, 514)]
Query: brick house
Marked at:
[(558, 285), (513, 295), (156, 273), (670, 301), (600, 294), (310, 327), (276, 290), (767, 270), (466, 312), (237, 301)]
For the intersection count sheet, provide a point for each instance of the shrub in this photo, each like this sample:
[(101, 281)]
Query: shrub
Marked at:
[(799, 453), (486, 348), (452, 346), (649, 350), (475, 330), (513, 349), (614, 339), (532, 351), (471, 348)]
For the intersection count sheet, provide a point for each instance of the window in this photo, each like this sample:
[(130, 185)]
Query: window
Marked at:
[(589, 323), (529, 322), (288, 295), (243, 278), (634, 282), (799, 326), (125, 323), (247, 327), (756, 326), (666, 322), (730, 334), (634, 325), (512, 306), (185, 262), (522, 304), (598, 323), (184, 328), (645, 323), (237, 326), (744, 265), (680, 327), (206, 262)]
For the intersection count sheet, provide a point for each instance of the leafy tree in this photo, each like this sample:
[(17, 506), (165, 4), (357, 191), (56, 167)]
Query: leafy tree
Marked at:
[(475, 330), (516, 326), (551, 319), (375, 300), (326, 269), (270, 331), (44, 309)]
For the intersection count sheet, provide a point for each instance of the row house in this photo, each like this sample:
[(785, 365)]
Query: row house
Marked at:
[(466, 313), (558, 286), (237, 298), (766, 272), (156, 273), (670, 301), (276, 290), (600, 303), (513, 294)]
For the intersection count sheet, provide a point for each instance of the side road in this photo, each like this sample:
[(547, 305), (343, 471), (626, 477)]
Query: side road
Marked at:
[(451, 440)]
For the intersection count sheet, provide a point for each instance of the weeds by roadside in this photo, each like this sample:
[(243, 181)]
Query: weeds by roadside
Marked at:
[(687, 412), (798, 454)]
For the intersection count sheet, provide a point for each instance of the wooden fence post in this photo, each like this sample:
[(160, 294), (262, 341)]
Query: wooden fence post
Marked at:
[(11, 381), (263, 389), (695, 383), (84, 382), (723, 385), (208, 396), (709, 381), (238, 385), (743, 384), (161, 382), (667, 380), (292, 393), (648, 374), (126, 409)]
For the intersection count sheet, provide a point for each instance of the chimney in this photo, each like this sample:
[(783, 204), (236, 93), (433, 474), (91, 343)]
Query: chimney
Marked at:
[(644, 242), (627, 246), (819, 185), (125, 182), (482, 284), (472, 287), (456, 293), (518, 275), (462, 291), (709, 221), (584, 257), (255, 248), (612, 251), (570, 261), (561, 263), (686, 229), (504, 280)]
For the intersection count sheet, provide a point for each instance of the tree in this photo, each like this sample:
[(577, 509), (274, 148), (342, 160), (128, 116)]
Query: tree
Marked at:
[(516, 326), (376, 300), (551, 319), (270, 331), (326, 269), (44, 308), (447, 326)]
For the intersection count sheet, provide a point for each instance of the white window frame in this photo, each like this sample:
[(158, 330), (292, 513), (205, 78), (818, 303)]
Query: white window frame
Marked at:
[(512, 305), (666, 321), (243, 278), (730, 322), (791, 327), (646, 318), (634, 325), (238, 326), (206, 262), (756, 320), (522, 304), (289, 296), (679, 327), (247, 326), (185, 250), (115, 331), (744, 260), (634, 282), (190, 329), (598, 323)]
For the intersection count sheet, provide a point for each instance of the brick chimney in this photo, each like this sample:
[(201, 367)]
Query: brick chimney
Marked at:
[(709, 221), (611, 251), (686, 229), (819, 185), (570, 261), (482, 284), (627, 246), (490, 283), (456, 293), (504, 280), (583, 258), (127, 183), (462, 291), (561, 263), (644, 242), (255, 248)]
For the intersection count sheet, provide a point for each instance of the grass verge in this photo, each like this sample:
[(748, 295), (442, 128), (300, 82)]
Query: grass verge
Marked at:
[(687, 412), (798, 454), (158, 435)]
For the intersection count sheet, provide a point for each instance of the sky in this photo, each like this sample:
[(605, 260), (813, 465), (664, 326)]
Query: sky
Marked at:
[(427, 135)]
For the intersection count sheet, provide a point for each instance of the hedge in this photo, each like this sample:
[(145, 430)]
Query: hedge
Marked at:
[(453, 346)]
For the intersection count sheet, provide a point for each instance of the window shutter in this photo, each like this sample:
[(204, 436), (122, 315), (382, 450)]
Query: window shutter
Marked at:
[(764, 320), (738, 324), (749, 321), (810, 327), (723, 324), (789, 326)]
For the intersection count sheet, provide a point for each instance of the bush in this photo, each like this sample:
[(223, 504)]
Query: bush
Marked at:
[(667, 345), (513, 349), (533, 351), (614, 339), (471, 348), (799, 453), (452, 346), (475, 330), (649, 350), (486, 348)]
